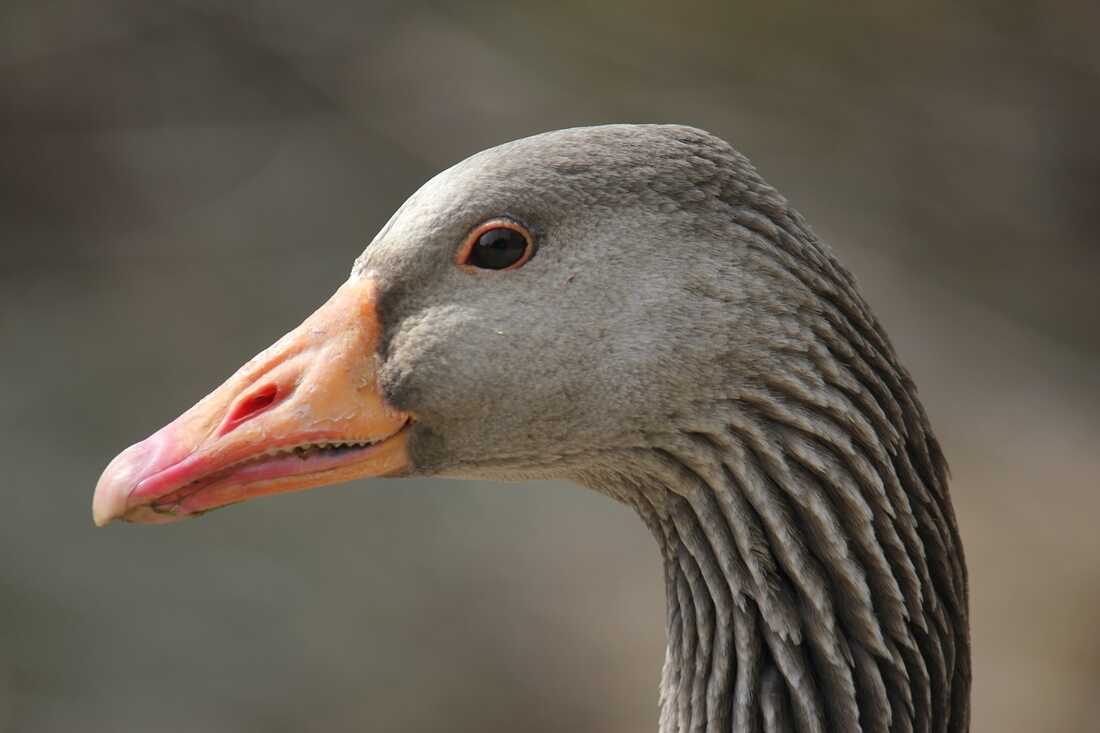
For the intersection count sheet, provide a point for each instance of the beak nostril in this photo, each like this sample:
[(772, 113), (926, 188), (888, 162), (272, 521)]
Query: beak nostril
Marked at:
[(253, 404)]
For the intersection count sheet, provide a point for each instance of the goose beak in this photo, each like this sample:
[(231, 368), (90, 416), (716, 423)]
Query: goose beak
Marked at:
[(306, 412)]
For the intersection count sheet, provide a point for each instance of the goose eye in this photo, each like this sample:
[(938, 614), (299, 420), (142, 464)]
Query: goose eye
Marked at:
[(499, 244)]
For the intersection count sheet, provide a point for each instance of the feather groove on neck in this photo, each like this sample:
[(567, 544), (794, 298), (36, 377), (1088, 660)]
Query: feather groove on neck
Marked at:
[(810, 570)]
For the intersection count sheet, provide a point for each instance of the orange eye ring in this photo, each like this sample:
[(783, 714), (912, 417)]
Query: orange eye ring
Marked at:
[(493, 245)]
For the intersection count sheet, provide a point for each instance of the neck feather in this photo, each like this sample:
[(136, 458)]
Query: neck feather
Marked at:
[(808, 587), (814, 573)]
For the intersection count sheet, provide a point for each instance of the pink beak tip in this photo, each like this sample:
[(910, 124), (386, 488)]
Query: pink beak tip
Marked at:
[(123, 474), (114, 485)]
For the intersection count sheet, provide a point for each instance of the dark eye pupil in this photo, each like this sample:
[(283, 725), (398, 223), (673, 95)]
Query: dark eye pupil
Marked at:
[(498, 248)]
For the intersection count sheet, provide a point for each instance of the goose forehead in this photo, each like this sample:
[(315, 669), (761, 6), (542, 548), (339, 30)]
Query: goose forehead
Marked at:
[(590, 165), (574, 175)]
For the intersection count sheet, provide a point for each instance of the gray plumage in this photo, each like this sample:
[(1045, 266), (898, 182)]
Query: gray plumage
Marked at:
[(684, 343)]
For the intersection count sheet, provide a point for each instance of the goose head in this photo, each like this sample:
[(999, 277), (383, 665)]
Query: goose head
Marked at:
[(633, 308), (527, 313)]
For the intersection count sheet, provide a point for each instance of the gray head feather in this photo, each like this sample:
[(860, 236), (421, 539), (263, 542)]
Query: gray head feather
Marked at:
[(683, 342)]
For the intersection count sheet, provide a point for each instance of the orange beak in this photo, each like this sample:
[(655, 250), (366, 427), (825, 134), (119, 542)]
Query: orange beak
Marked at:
[(304, 413)]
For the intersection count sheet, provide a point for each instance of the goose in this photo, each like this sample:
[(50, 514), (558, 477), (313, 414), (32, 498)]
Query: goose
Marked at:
[(631, 308)]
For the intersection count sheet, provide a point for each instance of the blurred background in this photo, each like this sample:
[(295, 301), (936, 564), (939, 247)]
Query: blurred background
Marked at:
[(184, 181)]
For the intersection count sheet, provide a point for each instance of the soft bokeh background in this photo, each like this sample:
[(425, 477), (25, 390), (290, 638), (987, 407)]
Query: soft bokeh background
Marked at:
[(183, 181)]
